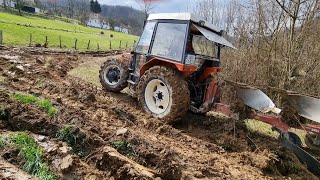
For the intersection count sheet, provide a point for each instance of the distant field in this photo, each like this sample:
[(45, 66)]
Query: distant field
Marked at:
[(14, 34)]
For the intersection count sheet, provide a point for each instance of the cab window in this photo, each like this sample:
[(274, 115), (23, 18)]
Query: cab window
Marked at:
[(145, 39), (169, 41)]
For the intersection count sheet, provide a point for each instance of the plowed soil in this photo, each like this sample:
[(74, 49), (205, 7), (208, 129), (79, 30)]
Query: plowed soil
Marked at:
[(197, 147)]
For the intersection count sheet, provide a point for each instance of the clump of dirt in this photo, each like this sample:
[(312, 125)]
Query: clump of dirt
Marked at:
[(287, 164), (78, 140), (11, 154)]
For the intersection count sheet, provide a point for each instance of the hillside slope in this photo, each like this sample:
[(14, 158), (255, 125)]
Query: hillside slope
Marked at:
[(126, 15), (17, 29)]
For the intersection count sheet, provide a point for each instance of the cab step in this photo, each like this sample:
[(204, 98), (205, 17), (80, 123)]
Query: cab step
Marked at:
[(131, 82)]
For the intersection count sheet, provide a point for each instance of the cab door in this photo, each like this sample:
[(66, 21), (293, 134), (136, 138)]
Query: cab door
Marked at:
[(141, 52)]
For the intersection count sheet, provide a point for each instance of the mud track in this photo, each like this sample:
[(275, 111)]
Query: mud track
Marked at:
[(197, 147)]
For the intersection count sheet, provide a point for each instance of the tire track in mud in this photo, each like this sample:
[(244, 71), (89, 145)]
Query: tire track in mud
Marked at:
[(172, 153)]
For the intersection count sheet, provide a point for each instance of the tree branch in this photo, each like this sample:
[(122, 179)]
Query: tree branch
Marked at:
[(284, 8)]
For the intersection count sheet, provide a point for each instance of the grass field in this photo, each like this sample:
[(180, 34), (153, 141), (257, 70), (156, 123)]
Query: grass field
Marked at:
[(19, 34), (89, 71)]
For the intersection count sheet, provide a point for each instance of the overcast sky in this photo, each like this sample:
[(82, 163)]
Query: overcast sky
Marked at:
[(166, 6)]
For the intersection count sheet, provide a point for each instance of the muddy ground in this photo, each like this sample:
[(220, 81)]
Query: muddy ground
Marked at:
[(116, 139)]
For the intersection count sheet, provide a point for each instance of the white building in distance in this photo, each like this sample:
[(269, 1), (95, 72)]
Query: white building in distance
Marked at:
[(9, 3)]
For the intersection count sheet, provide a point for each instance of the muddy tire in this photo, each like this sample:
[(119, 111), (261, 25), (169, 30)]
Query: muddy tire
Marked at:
[(164, 93), (114, 75)]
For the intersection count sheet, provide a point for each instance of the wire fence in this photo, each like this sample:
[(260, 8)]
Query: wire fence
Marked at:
[(65, 40)]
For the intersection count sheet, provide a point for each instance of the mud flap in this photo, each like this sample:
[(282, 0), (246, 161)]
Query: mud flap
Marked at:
[(304, 157)]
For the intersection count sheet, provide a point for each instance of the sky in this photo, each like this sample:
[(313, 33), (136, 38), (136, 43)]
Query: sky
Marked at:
[(167, 6)]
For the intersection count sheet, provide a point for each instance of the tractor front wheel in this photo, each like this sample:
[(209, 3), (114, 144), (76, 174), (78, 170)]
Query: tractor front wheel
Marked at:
[(114, 75), (164, 93)]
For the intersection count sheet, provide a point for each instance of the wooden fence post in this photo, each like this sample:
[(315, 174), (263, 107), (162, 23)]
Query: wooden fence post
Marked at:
[(75, 44), (60, 43), (88, 47), (98, 46), (120, 45), (30, 42), (127, 44), (46, 43), (110, 46), (1, 37)]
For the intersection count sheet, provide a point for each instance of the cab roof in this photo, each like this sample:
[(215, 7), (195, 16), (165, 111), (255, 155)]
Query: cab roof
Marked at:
[(184, 17)]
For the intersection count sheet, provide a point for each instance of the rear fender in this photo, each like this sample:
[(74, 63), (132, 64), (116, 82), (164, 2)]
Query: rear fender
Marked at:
[(211, 95), (208, 71), (185, 69)]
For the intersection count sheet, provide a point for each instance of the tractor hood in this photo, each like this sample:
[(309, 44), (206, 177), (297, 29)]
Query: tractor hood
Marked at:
[(212, 36)]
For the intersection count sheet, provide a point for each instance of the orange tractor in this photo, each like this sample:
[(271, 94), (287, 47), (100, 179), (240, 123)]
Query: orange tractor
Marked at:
[(165, 69), (171, 70)]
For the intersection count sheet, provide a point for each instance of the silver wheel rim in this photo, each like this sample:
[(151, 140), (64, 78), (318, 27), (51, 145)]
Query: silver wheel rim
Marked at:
[(105, 75), (157, 96)]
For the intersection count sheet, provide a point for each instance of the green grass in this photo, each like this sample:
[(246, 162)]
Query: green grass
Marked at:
[(26, 98), (89, 71), (124, 147), (71, 136), (20, 35), (44, 104), (261, 127), (47, 106), (31, 153)]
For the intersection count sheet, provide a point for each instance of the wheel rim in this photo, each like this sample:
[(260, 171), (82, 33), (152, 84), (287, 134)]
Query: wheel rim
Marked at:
[(111, 75), (157, 96)]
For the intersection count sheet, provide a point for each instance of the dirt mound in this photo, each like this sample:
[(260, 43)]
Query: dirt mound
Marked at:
[(110, 136)]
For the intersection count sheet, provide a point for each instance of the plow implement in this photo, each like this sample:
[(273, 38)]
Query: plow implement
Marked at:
[(262, 108)]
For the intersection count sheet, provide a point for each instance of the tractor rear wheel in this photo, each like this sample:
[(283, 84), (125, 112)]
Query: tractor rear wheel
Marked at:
[(164, 93), (114, 75)]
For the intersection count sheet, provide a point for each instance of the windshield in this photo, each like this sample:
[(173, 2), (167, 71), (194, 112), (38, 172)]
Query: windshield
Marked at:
[(145, 39)]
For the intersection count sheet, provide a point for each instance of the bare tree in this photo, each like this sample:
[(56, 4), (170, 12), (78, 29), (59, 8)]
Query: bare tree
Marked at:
[(53, 4), (20, 4), (5, 4), (146, 6), (71, 8), (276, 38), (83, 11)]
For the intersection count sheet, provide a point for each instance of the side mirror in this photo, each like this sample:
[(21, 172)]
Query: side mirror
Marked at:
[(132, 52)]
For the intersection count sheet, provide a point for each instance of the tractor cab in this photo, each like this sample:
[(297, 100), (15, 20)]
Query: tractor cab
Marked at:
[(181, 40)]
